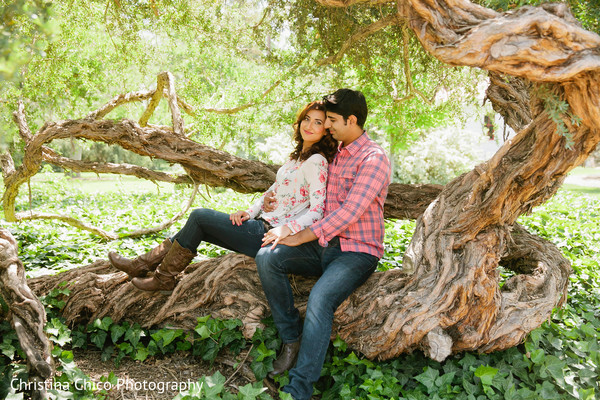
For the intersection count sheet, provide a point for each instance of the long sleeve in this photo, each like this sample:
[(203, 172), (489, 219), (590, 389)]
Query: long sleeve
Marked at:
[(357, 185), (372, 177), (315, 177), (257, 207)]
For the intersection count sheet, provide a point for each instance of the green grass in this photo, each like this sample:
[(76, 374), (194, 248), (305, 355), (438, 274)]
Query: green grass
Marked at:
[(585, 171), (90, 183), (584, 190), (589, 190)]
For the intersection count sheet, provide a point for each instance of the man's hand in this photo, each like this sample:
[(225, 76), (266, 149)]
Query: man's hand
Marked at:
[(304, 236), (269, 202), (238, 217), (275, 235)]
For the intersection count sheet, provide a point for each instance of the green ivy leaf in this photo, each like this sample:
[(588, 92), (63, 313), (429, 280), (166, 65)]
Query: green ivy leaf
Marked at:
[(203, 332), (98, 338), (214, 385), (141, 353), (261, 368), (261, 352), (133, 335), (250, 392), (103, 324), (486, 374), (116, 331), (538, 356), (428, 378)]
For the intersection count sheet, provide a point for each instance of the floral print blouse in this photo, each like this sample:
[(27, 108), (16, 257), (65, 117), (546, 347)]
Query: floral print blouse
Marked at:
[(299, 192)]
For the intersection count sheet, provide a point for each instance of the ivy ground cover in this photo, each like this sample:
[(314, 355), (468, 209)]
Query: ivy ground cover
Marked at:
[(559, 360)]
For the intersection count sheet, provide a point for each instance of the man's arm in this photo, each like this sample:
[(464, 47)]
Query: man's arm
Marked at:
[(304, 236), (269, 201), (372, 177)]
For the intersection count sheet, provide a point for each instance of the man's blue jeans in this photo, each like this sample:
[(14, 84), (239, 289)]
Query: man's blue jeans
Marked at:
[(215, 227), (340, 273)]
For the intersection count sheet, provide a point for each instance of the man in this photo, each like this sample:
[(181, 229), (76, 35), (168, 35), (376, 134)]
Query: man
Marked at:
[(343, 249)]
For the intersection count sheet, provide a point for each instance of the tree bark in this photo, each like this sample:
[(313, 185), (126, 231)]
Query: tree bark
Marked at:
[(453, 301), (228, 287), (26, 315)]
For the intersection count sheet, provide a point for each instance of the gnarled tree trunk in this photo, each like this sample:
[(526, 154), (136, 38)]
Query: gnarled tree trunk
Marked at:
[(447, 298), (26, 315)]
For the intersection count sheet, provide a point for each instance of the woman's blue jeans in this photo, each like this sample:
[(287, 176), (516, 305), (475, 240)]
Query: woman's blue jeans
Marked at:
[(215, 227), (340, 273)]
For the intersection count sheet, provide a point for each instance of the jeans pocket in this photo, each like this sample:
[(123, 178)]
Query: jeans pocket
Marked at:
[(256, 227)]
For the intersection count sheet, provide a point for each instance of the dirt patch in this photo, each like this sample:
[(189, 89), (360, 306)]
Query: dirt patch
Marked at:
[(162, 377)]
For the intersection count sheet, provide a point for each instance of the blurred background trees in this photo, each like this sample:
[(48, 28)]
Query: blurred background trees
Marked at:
[(246, 67)]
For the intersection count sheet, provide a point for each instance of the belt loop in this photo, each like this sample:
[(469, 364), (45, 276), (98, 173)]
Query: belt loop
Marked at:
[(335, 241)]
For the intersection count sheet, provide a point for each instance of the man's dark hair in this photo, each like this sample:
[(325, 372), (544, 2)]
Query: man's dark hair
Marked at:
[(347, 102)]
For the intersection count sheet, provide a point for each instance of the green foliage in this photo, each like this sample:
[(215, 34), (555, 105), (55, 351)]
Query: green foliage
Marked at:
[(397, 237), (121, 48), (438, 157), (225, 57), (408, 91), (49, 246), (558, 108), (558, 360), (26, 30)]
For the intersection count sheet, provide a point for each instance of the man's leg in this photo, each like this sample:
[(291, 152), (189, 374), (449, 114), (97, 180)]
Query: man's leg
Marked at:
[(343, 273), (215, 227), (273, 269)]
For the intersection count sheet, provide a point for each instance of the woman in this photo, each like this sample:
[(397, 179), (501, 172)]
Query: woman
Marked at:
[(300, 201)]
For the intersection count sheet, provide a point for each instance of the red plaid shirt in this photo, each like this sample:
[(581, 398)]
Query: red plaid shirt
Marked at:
[(357, 185)]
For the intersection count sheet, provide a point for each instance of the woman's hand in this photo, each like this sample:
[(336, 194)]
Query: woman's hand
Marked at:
[(269, 202), (238, 217), (275, 235)]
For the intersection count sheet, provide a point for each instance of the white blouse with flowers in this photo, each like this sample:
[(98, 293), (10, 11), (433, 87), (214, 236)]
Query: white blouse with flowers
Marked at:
[(299, 192)]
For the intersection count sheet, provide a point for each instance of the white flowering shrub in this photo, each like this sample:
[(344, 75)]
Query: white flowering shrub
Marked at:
[(440, 156)]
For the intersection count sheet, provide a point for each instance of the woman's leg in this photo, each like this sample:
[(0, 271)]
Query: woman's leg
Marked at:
[(202, 225), (141, 265), (215, 227)]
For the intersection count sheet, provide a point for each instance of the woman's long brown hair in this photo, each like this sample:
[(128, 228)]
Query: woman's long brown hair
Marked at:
[(327, 146)]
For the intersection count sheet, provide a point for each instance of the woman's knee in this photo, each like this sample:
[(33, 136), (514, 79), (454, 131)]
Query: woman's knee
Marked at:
[(201, 216)]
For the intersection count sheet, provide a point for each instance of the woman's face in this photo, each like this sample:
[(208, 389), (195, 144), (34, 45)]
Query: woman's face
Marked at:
[(312, 127)]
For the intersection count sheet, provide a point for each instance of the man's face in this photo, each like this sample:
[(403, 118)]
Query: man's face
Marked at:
[(337, 126)]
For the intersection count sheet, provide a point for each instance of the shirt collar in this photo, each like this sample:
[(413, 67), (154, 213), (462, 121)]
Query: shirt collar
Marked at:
[(353, 147)]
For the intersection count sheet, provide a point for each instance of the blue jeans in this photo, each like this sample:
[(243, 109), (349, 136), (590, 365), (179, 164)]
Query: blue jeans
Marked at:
[(215, 227), (340, 273)]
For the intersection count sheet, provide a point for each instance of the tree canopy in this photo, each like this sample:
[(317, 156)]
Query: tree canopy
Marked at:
[(246, 67)]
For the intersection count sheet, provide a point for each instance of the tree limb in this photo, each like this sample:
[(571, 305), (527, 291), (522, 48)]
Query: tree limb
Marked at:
[(358, 36), (53, 158)]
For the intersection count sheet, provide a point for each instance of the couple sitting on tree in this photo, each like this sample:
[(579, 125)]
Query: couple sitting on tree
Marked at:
[(322, 217)]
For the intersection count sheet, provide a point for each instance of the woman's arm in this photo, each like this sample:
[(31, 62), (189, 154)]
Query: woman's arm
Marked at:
[(315, 173), (257, 207)]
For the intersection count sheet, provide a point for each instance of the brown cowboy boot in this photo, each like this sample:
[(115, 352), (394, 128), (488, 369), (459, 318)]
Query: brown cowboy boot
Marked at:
[(140, 266), (164, 277), (286, 360)]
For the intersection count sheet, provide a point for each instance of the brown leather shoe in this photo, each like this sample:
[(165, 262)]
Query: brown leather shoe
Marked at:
[(140, 266), (286, 360), (164, 277)]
